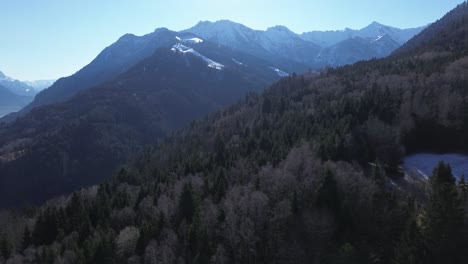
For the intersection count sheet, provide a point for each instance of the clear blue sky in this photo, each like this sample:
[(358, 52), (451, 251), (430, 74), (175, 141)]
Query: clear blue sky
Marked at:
[(48, 39)]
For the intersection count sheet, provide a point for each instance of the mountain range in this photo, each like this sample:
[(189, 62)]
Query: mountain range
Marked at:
[(317, 49), (284, 49)]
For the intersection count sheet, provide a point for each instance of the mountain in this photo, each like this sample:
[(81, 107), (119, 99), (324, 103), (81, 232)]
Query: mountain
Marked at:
[(446, 34), (40, 85), (10, 102), (80, 142), (315, 49), (277, 44), (306, 172), (356, 49), (17, 87), (112, 61), (370, 32)]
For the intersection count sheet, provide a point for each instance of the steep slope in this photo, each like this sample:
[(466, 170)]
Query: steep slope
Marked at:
[(111, 62), (79, 142), (296, 175), (446, 34)]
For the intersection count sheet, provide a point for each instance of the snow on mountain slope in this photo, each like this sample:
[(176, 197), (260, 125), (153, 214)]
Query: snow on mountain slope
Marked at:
[(277, 42), (398, 35), (193, 40), (278, 37), (315, 49), (179, 47), (372, 31), (280, 72)]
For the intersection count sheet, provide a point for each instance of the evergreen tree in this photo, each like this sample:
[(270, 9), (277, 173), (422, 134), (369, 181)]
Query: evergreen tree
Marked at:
[(295, 203), (27, 240), (46, 229), (444, 218), (5, 246), (266, 107), (104, 252), (220, 186), (328, 194), (463, 186), (410, 248), (187, 204)]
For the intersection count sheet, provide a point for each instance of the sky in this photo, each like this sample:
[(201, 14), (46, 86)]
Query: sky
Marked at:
[(49, 39)]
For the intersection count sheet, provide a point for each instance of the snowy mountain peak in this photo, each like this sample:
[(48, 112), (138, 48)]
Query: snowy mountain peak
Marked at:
[(2, 76), (279, 28), (220, 24), (375, 24), (280, 34)]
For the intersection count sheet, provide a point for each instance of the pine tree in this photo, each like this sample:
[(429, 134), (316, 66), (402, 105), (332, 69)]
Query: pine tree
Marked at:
[(444, 218), (5, 247), (45, 229), (266, 107), (187, 204), (463, 186), (328, 194), (295, 203), (220, 186), (104, 252), (27, 240), (410, 248)]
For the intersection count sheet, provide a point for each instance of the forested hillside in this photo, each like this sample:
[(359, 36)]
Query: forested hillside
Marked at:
[(78, 143), (298, 174)]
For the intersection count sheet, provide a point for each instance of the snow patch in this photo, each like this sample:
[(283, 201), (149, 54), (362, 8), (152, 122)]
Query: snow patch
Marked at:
[(378, 38), (193, 40), (237, 62), (280, 72), (184, 49)]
